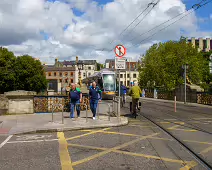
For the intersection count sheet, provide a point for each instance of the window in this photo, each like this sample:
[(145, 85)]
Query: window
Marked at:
[(121, 76), (134, 75), (128, 83), (84, 74), (50, 74), (60, 80), (60, 74), (66, 80), (55, 74), (89, 68), (89, 74), (66, 74), (128, 75), (72, 73), (72, 80)]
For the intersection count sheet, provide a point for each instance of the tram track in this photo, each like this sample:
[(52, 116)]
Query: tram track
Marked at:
[(200, 160)]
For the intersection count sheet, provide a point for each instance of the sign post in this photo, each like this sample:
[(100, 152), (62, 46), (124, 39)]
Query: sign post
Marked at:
[(120, 63)]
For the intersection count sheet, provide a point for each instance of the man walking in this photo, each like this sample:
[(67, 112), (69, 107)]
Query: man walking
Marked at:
[(123, 93), (75, 99), (95, 95), (135, 92)]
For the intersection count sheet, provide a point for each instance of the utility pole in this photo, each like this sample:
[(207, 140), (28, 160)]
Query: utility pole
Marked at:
[(185, 70)]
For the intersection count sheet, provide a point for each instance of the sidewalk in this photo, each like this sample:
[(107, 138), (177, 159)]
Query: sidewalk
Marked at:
[(18, 124)]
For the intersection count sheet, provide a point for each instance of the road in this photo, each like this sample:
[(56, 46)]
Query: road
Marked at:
[(139, 145)]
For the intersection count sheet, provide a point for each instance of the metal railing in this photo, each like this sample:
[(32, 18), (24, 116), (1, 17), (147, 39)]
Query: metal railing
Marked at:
[(109, 109), (60, 106)]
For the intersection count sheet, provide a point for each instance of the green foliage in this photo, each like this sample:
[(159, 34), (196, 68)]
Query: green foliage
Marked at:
[(163, 63), (99, 66), (20, 73)]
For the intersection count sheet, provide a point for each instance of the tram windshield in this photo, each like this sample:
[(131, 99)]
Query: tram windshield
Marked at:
[(109, 82)]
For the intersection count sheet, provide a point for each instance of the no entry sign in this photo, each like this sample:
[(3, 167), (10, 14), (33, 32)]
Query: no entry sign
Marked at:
[(120, 51)]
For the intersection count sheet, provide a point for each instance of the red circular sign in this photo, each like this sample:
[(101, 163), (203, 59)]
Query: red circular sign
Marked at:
[(120, 51)]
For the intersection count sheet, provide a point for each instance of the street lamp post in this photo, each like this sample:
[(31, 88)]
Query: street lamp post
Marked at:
[(185, 67)]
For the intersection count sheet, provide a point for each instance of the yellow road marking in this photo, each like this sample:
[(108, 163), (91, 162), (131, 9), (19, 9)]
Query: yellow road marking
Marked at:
[(132, 154), (181, 123), (164, 122), (160, 138), (110, 150), (173, 127), (207, 143), (189, 165), (186, 130), (90, 133), (206, 150), (65, 159)]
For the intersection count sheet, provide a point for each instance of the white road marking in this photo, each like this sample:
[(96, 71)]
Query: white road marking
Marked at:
[(32, 137), (5, 141), (28, 141)]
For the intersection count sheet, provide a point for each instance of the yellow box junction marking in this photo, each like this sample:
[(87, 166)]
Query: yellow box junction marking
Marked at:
[(90, 133), (111, 150), (189, 165), (206, 150), (65, 159), (173, 127)]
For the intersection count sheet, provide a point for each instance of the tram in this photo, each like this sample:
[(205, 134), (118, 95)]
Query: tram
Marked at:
[(106, 80)]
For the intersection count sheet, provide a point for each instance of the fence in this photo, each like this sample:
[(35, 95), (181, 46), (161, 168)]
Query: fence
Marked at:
[(192, 96), (42, 104)]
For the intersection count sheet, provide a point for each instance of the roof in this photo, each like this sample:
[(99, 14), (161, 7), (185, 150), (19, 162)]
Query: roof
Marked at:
[(85, 62), (59, 68)]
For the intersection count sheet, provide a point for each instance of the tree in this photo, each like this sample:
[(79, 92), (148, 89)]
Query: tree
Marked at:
[(21, 73), (99, 66), (163, 62)]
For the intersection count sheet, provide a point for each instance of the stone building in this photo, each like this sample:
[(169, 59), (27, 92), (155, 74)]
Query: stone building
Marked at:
[(202, 44)]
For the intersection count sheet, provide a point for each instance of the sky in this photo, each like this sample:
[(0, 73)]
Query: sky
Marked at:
[(90, 29)]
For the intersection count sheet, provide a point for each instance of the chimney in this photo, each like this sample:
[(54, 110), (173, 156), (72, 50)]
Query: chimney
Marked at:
[(56, 60)]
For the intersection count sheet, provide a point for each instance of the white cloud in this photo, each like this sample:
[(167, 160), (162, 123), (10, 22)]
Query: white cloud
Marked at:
[(210, 16), (86, 35)]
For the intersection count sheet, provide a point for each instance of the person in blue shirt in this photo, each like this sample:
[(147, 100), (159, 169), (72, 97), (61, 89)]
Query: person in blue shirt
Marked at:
[(123, 92), (95, 95), (75, 99)]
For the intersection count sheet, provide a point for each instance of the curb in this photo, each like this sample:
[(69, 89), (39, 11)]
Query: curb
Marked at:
[(123, 123)]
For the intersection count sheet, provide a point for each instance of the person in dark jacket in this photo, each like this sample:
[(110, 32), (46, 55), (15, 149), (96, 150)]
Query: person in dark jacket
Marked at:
[(75, 99), (95, 96), (123, 93)]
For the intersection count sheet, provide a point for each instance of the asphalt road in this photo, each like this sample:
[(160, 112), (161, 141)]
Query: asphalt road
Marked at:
[(190, 124), (139, 145)]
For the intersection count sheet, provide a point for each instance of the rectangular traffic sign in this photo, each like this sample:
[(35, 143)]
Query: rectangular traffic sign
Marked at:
[(120, 63)]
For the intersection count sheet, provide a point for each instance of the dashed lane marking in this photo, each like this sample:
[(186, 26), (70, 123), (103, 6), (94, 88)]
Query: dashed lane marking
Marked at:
[(202, 118), (111, 150), (90, 133), (65, 159), (143, 126), (5, 141), (173, 127)]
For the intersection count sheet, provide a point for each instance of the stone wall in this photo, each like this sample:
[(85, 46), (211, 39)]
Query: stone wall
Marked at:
[(3, 102)]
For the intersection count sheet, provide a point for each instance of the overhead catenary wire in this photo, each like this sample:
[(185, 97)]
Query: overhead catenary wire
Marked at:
[(193, 9), (151, 3)]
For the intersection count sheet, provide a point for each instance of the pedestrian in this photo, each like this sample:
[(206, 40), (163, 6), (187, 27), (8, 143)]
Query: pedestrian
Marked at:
[(90, 85), (135, 92), (123, 92), (75, 96), (94, 98)]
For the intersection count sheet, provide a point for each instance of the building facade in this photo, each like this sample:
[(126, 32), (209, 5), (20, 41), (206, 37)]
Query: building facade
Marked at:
[(202, 44), (128, 75), (63, 73)]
